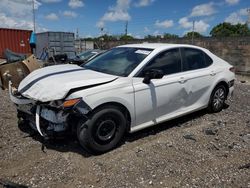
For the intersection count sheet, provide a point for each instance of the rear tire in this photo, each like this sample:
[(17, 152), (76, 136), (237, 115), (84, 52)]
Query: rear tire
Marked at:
[(217, 99), (103, 130)]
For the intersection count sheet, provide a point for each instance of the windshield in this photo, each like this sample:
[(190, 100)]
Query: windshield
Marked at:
[(118, 61)]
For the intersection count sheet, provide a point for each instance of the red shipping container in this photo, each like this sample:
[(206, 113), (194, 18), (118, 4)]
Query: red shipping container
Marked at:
[(14, 39)]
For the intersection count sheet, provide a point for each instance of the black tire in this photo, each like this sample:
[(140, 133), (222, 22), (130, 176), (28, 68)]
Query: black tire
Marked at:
[(22, 123), (217, 99), (103, 130)]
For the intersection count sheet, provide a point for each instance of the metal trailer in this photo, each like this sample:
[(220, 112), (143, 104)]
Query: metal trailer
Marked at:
[(54, 43)]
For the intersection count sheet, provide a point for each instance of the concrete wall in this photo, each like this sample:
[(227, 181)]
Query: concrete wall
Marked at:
[(235, 50)]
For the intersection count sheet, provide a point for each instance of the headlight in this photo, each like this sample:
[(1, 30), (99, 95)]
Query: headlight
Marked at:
[(76, 105), (70, 103)]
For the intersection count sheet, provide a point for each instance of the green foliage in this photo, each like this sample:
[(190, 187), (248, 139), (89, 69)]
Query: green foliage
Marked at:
[(107, 37), (111, 38), (229, 30), (170, 36), (152, 37), (89, 39), (165, 36), (190, 35), (126, 37)]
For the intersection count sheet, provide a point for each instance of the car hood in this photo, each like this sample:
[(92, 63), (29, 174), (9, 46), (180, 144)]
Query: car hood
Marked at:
[(55, 82)]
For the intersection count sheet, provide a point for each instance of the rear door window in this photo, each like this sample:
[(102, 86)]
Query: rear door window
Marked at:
[(194, 59)]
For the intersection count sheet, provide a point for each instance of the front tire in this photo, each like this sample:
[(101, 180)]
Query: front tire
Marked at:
[(103, 130), (217, 99)]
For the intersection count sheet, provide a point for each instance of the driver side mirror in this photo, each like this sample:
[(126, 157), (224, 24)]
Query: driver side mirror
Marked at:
[(152, 74)]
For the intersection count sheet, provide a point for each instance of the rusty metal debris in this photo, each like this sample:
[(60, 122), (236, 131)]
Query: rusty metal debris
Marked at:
[(16, 69)]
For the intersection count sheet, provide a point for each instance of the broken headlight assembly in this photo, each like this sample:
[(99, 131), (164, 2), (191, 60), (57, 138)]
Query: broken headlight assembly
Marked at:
[(74, 105), (64, 104), (56, 114)]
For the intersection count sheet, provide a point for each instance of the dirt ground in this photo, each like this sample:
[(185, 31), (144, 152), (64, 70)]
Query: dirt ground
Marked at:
[(198, 150)]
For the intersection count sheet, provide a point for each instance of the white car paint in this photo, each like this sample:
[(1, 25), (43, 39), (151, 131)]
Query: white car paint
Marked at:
[(53, 83), (148, 104)]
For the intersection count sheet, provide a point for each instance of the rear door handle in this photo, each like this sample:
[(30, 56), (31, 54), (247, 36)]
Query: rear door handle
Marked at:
[(212, 73), (182, 80)]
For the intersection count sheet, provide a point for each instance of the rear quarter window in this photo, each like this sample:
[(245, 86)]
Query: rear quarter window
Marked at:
[(208, 60)]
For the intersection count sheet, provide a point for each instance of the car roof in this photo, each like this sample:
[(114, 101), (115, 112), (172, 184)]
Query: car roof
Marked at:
[(159, 45)]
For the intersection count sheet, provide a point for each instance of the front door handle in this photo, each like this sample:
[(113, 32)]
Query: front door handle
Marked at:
[(213, 73), (182, 80)]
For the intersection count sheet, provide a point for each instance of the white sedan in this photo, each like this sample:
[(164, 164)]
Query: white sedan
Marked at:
[(128, 88)]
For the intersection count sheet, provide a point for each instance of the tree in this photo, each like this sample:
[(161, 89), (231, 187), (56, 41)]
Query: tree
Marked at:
[(191, 34), (89, 39), (150, 37), (170, 36), (107, 38), (126, 37), (228, 30)]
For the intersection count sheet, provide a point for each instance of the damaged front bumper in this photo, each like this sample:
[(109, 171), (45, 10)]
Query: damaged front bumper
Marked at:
[(49, 119)]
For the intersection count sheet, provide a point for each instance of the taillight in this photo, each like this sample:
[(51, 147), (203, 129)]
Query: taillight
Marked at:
[(232, 69)]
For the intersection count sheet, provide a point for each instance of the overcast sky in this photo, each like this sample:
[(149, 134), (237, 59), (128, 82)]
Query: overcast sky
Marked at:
[(144, 16)]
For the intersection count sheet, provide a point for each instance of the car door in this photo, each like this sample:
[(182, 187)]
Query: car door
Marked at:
[(161, 97), (198, 77)]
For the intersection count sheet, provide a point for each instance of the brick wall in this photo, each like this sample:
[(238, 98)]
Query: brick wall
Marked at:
[(235, 50)]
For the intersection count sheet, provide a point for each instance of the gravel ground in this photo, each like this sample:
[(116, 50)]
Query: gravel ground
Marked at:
[(198, 150)]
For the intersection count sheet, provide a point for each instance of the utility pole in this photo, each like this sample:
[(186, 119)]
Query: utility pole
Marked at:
[(77, 33), (126, 28), (101, 39), (78, 41), (248, 11), (102, 31), (193, 33), (34, 17)]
